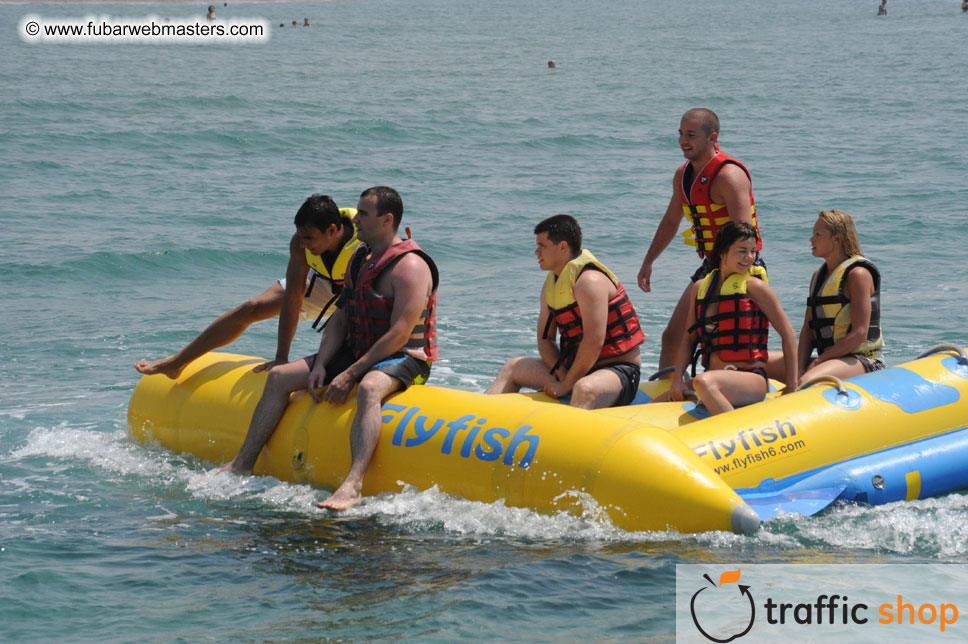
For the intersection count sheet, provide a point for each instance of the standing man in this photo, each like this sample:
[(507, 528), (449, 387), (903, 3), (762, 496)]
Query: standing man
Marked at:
[(710, 188), (383, 336), (597, 358), (319, 252)]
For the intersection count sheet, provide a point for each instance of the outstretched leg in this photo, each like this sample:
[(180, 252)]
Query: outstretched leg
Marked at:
[(224, 330), (722, 390), (597, 390), (843, 367), (281, 381), (364, 436), (521, 372)]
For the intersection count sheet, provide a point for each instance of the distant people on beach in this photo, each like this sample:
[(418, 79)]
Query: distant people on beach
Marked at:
[(383, 336), (729, 315), (319, 253), (710, 188), (596, 359), (843, 316), (211, 13), (882, 10)]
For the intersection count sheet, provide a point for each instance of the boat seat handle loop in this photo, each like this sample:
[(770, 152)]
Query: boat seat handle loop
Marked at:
[(834, 380), (662, 372), (962, 357)]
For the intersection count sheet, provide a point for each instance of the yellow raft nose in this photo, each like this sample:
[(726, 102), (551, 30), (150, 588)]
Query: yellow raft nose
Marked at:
[(483, 448)]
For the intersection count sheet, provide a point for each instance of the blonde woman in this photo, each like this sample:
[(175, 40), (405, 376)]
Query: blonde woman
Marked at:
[(843, 317)]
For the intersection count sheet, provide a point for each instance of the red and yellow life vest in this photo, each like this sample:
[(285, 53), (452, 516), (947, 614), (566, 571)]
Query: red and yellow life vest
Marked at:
[(368, 311), (828, 308), (738, 331), (708, 217), (622, 329)]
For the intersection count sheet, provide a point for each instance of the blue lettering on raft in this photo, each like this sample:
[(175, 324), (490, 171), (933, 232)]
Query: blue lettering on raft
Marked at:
[(496, 443)]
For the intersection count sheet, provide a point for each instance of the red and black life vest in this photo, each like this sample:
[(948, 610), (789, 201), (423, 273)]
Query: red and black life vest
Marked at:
[(739, 330), (622, 329), (708, 217), (368, 311)]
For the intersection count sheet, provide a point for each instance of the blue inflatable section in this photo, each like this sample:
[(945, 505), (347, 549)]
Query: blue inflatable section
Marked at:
[(906, 389), (921, 469)]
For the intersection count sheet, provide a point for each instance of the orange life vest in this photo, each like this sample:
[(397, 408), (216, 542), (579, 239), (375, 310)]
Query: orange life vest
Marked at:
[(708, 217)]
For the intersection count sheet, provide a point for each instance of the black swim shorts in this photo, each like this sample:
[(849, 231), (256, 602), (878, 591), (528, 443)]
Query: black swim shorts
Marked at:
[(629, 374), (869, 364)]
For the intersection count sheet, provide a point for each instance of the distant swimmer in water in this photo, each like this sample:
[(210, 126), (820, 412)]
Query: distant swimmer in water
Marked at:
[(552, 64), (882, 10), (596, 357), (306, 22), (964, 6), (319, 252), (295, 24), (211, 13)]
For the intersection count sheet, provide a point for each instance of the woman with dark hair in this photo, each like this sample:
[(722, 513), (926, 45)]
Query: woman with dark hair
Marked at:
[(730, 319)]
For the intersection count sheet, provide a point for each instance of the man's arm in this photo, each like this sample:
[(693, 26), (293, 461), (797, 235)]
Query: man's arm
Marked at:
[(547, 347), (333, 336), (292, 301), (410, 283), (732, 187), (663, 236), (684, 351), (591, 292)]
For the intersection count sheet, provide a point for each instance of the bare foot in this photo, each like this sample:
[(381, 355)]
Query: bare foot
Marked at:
[(149, 368), (230, 467), (344, 498)]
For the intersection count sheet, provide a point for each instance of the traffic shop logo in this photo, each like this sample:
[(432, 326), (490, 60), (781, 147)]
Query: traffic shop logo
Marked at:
[(741, 602)]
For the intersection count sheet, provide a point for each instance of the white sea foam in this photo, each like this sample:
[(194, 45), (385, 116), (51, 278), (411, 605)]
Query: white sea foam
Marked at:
[(932, 527)]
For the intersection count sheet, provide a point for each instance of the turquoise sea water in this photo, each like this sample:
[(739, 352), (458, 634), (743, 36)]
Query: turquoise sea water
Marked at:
[(147, 188)]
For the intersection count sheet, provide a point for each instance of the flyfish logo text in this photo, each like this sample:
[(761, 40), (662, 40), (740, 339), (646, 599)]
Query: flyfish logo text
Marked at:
[(747, 440), (461, 435)]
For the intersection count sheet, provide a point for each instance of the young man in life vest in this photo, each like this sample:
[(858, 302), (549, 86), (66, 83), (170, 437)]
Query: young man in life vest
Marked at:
[(710, 188), (319, 251), (597, 358), (383, 336)]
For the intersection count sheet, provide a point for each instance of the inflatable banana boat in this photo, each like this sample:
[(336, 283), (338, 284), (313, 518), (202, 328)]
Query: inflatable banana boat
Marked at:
[(901, 433)]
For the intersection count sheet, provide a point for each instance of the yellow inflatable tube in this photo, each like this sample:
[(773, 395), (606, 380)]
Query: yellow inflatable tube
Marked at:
[(484, 448), (820, 425)]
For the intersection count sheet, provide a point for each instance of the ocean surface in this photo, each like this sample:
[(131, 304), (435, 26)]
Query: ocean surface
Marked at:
[(147, 188)]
